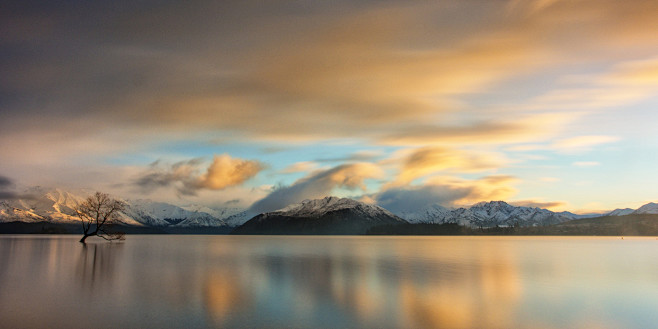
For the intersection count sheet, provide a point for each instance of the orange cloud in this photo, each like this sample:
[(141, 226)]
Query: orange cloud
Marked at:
[(494, 187), (447, 191), (551, 205), (526, 129), (428, 160), (223, 172)]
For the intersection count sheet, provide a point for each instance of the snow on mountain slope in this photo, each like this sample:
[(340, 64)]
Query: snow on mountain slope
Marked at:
[(9, 213), (239, 218), (164, 214), (217, 212), (621, 212), (56, 205), (53, 205), (487, 214), (649, 208), (318, 207), (330, 215), (434, 214)]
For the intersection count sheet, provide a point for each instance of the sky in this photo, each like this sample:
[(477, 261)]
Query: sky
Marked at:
[(548, 103)]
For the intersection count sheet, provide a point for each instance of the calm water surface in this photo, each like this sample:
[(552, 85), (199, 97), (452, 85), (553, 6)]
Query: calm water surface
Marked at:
[(344, 282)]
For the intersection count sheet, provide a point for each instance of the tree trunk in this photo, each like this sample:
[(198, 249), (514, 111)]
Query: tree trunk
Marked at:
[(85, 236)]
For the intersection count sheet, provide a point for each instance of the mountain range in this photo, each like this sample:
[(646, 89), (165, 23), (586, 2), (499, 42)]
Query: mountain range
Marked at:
[(338, 215)]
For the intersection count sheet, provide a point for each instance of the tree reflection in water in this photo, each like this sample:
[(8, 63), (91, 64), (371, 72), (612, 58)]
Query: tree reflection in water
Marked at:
[(96, 266), (328, 282)]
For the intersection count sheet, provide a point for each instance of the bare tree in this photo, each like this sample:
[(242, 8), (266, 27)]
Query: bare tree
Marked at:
[(96, 212)]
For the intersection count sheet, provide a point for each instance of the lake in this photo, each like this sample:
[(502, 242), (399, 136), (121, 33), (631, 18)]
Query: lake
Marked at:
[(168, 281)]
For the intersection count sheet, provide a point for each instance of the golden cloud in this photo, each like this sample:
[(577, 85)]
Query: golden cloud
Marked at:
[(447, 191), (424, 161), (551, 205), (528, 128), (494, 187), (223, 172)]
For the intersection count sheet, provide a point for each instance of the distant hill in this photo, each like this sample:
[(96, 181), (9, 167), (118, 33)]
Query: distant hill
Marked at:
[(330, 216), (633, 224)]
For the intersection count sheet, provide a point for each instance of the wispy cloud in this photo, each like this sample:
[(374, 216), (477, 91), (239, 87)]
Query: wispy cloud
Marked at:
[(539, 204), (582, 143), (416, 163), (319, 184), (303, 166), (586, 164), (447, 191)]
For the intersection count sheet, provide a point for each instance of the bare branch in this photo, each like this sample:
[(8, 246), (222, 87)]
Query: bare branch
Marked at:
[(99, 209)]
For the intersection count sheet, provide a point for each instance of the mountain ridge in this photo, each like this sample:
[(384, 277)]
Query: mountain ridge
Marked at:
[(56, 205), (327, 216)]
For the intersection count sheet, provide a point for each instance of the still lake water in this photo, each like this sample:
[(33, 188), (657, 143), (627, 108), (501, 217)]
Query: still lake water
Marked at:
[(320, 282)]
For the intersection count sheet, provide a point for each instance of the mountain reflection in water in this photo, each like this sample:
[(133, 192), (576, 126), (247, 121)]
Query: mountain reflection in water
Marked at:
[(385, 282)]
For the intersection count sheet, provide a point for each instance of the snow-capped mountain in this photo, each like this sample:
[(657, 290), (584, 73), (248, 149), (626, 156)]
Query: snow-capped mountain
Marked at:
[(319, 207), (434, 214), (239, 218), (649, 208), (621, 212), (487, 214), (41, 204), (217, 212), (57, 205), (164, 214), (331, 215)]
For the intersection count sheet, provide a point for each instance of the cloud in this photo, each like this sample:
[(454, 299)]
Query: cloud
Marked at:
[(539, 204), (413, 198), (582, 143), (222, 173), (528, 128), (424, 161), (319, 184), (303, 166), (586, 164), (5, 185), (5, 182), (226, 171), (276, 72), (394, 73), (446, 191), (359, 156), (575, 144)]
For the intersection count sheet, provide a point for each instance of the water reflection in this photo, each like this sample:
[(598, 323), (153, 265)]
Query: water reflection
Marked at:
[(97, 264), (383, 282), (426, 289)]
